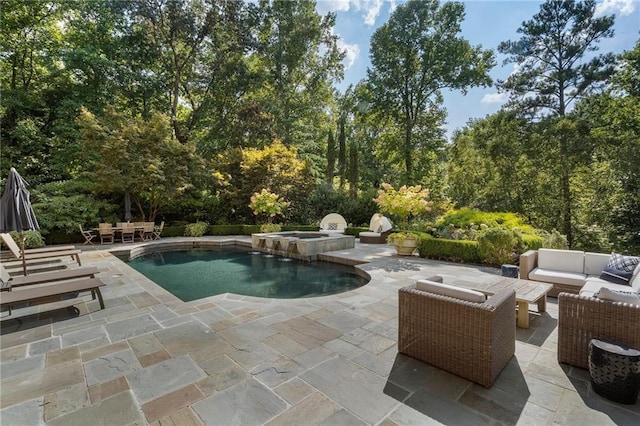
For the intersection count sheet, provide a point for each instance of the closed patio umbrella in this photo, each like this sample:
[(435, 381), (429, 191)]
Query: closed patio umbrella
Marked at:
[(16, 213)]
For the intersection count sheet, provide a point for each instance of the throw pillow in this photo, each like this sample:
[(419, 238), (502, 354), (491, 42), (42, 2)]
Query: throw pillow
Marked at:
[(619, 296), (620, 268), (615, 276), (333, 226)]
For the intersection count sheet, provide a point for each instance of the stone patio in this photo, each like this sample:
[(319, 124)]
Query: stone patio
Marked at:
[(149, 358)]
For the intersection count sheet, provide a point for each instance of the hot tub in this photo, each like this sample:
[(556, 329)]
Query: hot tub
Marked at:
[(305, 245)]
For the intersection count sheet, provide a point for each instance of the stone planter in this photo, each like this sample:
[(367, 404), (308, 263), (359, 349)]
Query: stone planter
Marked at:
[(406, 246)]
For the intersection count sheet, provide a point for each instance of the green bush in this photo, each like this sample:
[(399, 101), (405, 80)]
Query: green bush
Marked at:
[(32, 239), (451, 250), (270, 227), (532, 242), (499, 245), (555, 240), (197, 229)]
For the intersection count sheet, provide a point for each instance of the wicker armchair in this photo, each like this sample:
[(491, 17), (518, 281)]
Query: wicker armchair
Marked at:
[(581, 319), (471, 340)]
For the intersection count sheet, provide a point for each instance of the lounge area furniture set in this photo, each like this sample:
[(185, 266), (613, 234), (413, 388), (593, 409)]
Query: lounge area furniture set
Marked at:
[(380, 227), (45, 287), (463, 331)]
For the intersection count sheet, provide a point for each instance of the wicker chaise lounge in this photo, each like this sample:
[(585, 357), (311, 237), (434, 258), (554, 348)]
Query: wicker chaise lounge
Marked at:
[(471, 340), (582, 318)]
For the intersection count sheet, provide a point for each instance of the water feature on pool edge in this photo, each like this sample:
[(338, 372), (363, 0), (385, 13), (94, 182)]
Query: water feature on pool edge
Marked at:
[(198, 273)]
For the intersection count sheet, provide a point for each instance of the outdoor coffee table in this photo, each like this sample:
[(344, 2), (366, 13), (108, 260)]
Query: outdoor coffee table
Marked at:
[(527, 292)]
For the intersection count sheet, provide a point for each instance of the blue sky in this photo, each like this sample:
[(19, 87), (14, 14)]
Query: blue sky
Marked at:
[(487, 23)]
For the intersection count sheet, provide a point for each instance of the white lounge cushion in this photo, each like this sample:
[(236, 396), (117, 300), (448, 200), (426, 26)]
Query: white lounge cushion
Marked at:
[(451, 291), (557, 277), (635, 280), (594, 263), (561, 260), (370, 234), (593, 284), (619, 296)]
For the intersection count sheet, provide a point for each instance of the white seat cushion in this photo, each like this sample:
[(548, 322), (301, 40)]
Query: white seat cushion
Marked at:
[(593, 284), (561, 260), (370, 234), (594, 263), (451, 291), (557, 277)]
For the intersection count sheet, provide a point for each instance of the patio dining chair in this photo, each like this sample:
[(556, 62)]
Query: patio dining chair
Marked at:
[(88, 235), (128, 233), (157, 230), (147, 231), (106, 233)]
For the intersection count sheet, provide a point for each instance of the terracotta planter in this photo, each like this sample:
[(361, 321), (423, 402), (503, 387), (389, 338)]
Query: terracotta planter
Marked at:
[(406, 247)]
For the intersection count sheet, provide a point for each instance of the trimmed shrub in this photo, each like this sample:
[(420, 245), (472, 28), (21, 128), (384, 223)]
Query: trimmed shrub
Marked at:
[(451, 250), (32, 239), (532, 242), (499, 245), (197, 229)]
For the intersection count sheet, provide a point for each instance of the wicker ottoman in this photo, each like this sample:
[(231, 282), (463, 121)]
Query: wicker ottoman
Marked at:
[(615, 371)]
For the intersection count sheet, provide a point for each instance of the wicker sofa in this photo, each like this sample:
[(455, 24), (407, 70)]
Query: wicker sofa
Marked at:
[(469, 339)]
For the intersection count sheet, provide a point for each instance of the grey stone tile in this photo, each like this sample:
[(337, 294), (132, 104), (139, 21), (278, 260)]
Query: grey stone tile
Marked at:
[(294, 390), (14, 353), (285, 345), (248, 334), (27, 413), (353, 387), (276, 372), (342, 418), (253, 355), (343, 348), (164, 377), (81, 336), (379, 365), (120, 409), (248, 403), (195, 339), (314, 357), (15, 368), (65, 401), (312, 410), (131, 327), (445, 410), (44, 346), (222, 373), (110, 366), (343, 321)]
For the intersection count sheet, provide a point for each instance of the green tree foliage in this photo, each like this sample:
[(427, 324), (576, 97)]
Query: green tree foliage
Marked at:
[(296, 59), (610, 185), (133, 155), (241, 173), (556, 67), (331, 158), (414, 56)]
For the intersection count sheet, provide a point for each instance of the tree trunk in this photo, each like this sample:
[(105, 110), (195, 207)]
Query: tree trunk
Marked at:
[(408, 162), (566, 190), (342, 154)]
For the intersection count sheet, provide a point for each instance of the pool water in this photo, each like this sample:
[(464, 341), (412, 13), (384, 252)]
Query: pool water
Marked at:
[(198, 273)]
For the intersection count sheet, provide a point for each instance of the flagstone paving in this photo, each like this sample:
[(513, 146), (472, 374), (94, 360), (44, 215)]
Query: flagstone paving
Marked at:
[(149, 358)]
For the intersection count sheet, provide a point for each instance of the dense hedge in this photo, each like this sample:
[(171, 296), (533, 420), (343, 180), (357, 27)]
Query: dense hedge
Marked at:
[(450, 250)]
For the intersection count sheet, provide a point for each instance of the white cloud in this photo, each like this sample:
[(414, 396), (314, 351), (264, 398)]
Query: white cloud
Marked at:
[(607, 7), (325, 6), (372, 10), (352, 53), (494, 98)]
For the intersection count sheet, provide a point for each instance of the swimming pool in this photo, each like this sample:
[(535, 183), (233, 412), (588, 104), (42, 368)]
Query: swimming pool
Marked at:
[(197, 273)]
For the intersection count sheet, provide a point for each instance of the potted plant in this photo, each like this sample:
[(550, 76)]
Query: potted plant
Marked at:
[(402, 203), (269, 204)]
